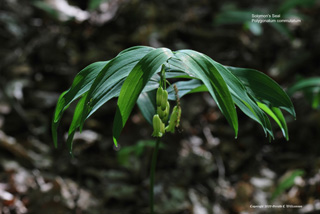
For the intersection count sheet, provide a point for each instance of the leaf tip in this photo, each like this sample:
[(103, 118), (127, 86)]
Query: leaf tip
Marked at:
[(115, 142), (236, 129), (69, 142), (71, 154)]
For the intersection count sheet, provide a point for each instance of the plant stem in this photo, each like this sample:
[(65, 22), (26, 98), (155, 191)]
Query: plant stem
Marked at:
[(152, 172)]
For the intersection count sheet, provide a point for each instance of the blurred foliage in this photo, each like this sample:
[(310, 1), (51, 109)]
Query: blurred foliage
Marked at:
[(94, 4), (47, 8), (231, 15), (287, 181), (125, 154), (291, 4), (203, 170), (310, 87)]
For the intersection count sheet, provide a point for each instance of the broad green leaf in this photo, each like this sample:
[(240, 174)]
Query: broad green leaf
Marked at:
[(147, 105), (170, 74), (114, 92), (75, 121), (152, 84), (177, 65), (133, 75), (241, 97), (116, 70), (195, 86), (263, 88), (135, 48), (238, 92), (134, 84), (286, 183), (202, 68), (81, 84), (201, 88), (75, 124), (250, 110), (184, 87), (277, 116)]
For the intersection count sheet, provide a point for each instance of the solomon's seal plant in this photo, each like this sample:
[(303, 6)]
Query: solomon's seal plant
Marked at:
[(141, 74)]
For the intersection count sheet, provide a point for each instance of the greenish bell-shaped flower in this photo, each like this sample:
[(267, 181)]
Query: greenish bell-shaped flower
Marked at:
[(158, 126), (159, 96), (161, 113), (174, 119), (166, 113), (164, 100)]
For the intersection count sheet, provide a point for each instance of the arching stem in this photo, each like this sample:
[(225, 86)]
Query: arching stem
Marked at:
[(152, 172)]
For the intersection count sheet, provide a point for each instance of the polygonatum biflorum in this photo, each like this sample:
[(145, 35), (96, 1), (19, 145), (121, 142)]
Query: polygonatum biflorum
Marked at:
[(140, 74)]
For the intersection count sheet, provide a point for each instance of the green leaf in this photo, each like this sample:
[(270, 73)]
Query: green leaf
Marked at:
[(116, 70), (202, 68), (81, 84), (147, 105), (250, 109), (134, 84), (113, 92), (238, 93), (279, 115), (276, 114), (184, 87), (286, 183), (152, 84), (170, 74), (136, 48), (133, 75), (263, 88), (177, 65), (75, 121), (242, 98)]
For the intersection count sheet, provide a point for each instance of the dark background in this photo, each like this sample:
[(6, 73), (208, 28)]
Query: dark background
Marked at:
[(202, 168)]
